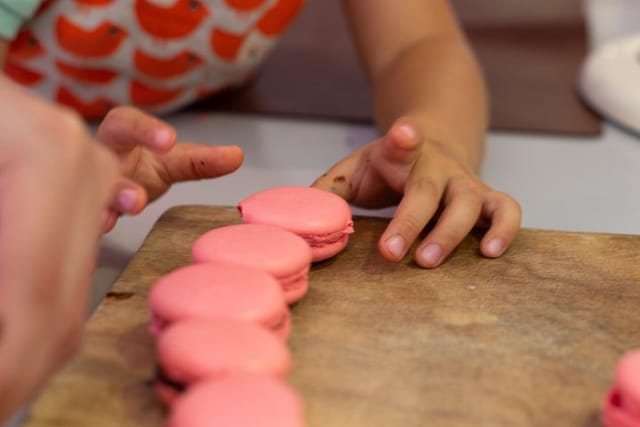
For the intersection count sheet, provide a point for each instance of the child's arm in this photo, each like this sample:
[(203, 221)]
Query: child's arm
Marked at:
[(431, 103)]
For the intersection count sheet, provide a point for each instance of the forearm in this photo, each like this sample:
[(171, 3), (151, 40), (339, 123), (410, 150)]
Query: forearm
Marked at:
[(438, 84)]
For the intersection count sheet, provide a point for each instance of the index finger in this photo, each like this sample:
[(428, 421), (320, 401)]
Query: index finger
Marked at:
[(125, 128), (418, 205)]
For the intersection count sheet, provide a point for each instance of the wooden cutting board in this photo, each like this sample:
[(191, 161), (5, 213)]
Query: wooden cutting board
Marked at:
[(529, 339)]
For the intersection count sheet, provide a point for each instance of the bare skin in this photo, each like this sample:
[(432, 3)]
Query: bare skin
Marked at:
[(431, 107)]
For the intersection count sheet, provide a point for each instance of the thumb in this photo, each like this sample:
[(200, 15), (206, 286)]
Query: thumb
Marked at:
[(339, 178), (125, 128), (375, 175), (399, 146)]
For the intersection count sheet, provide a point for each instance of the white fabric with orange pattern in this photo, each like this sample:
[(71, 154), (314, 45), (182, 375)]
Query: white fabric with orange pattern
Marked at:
[(156, 54)]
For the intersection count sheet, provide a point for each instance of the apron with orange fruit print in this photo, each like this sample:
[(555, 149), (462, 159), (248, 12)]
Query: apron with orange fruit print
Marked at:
[(158, 55)]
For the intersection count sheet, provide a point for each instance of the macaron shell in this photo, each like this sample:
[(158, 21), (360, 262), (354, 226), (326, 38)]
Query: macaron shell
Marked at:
[(271, 248), (214, 290), (241, 400), (219, 347), (298, 209), (282, 253)]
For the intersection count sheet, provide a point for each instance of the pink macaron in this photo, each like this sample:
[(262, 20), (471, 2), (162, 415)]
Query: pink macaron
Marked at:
[(193, 350), (622, 403), (281, 253), (322, 218), (214, 290), (239, 400)]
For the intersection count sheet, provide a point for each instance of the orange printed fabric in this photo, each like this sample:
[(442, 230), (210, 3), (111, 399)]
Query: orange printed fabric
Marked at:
[(156, 54)]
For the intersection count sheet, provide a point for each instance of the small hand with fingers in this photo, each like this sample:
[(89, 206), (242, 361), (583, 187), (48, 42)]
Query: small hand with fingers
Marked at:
[(426, 180), (151, 160)]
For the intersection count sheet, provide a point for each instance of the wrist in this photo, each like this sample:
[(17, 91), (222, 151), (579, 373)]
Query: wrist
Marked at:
[(464, 143), (448, 103)]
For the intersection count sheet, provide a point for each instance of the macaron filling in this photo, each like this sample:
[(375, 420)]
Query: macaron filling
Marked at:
[(281, 325), (294, 281), (615, 414), (319, 240), (157, 324), (163, 378)]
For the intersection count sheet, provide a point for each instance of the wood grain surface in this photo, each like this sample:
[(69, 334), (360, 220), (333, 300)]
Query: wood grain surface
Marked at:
[(529, 339)]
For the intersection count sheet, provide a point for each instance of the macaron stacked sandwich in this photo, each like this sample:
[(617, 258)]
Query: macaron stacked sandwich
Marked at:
[(221, 322), (321, 218), (284, 255)]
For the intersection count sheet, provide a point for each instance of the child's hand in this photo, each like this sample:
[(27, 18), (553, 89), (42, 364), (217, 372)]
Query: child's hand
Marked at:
[(151, 161), (425, 177)]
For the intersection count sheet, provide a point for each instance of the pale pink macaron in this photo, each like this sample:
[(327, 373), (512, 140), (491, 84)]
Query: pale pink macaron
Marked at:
[(322, 218), (281, 253), (239, 400), (193, 350), (622, 403), (214, 290)]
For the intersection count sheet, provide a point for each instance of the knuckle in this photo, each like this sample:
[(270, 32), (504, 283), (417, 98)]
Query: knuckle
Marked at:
[(469, 192), (450, 238), (468, 187), (424, 185), (508, 201), (112, 115), (409, 225)]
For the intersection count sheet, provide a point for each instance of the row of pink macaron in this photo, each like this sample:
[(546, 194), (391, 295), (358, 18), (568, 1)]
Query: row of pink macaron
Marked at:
[(221, 322), (257, 263)]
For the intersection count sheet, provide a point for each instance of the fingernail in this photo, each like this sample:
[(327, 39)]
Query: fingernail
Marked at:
[(432, 254), (408, 130), (108, 220), (495, 247), (162, 137), (396, 245), (127, 199), (105, 217)]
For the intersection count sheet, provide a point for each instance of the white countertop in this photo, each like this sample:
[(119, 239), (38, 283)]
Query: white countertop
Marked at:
[(562, 183)]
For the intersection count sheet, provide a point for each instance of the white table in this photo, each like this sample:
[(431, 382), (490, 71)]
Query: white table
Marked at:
[(563, 183)]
